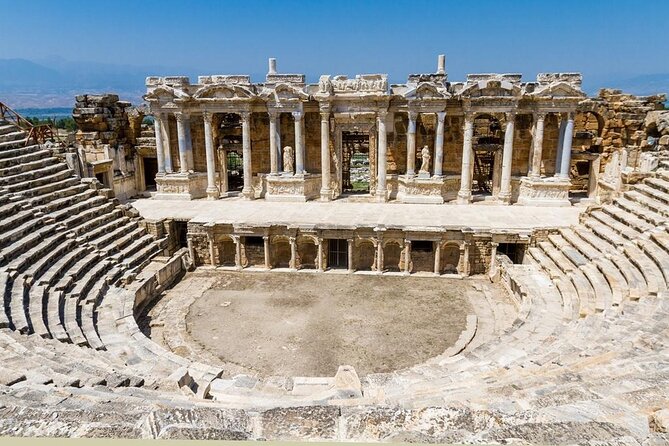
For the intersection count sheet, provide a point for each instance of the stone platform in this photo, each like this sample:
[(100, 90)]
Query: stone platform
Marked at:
[(341, 214)]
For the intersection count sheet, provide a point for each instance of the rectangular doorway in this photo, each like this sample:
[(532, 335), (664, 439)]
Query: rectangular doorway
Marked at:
[(338, 253), (355, 163), (150, 172)]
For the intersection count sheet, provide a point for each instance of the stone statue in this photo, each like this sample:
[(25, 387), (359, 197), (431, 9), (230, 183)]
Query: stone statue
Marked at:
[(425, 165), (288, 160)]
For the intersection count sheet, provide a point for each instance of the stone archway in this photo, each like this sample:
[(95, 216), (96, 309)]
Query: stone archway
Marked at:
[(450, 258), (392, 256), (307, 253), (364, 255), (227, 252), (280, 252)]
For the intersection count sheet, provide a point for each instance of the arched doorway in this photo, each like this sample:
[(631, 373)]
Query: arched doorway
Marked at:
[(307, 253), (450, 258), (392, 256), (365, 255), (280, 252), (227, 252)]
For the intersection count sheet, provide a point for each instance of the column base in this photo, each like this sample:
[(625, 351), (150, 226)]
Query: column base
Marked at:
[(421, 190), (464, 197), (326, 194), (548, 191), (504, 198), (213, 193), (248, 194)]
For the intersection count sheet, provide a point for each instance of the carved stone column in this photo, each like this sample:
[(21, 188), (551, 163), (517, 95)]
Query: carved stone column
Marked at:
[(212, 190), (273, 143), (223, 172), (381, 188), (411, 144), (350, 255), (238, 251), (326, 192), (299, 142), (493, 255), (537, 144), (293, 253), (320, 264), (265, 240), (247, 190), (379, 256), (181, 137), (565, 163), (465, 192), (466, 268), (507, 159), (437, 258), (160, 150), (558, 156), (439, 145), (189, 144), (407, 256), (212, 256)]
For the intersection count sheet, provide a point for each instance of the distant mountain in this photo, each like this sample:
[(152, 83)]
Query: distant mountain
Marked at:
[(22, 73)]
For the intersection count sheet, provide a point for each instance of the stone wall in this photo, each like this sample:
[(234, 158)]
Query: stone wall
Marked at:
[(107, 131)]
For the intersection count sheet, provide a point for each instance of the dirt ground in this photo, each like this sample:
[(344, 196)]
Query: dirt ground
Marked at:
[(307, 325)]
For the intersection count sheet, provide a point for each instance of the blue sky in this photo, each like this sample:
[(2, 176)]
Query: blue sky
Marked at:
[(599, 38)]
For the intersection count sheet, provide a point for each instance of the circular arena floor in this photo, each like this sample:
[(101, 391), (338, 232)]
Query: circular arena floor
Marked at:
[(300, 324)]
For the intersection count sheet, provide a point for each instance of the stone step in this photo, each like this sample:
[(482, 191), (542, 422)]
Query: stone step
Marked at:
[(19, 151), (17, 134), (628, 219), (620, 228), (36, 300), (66, 190), (659, 256), (51, 174), (88, 327), (49, 166), (640, 211), (26, 168), (13, 144), (645, 201), (658, 183), (653, 193), (25, 158), (60, 268), (15, 249), (604, 232), (651, 273)]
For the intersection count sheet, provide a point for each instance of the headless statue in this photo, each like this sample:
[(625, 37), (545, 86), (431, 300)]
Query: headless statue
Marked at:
[(425, 165), (288, 160)]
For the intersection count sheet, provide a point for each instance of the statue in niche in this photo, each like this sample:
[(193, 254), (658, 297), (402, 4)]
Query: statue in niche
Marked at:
[(288, 160), (425, 164)]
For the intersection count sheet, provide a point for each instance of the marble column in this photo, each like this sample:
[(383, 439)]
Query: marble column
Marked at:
[(407, 256), (181, 137), (189, 144), (565, 164), (558, 157), (165, 127), (247, 190), (299, 142), (320, 264), (465, 192), (507, 159), (160, 150), (265, 240), (224, 172), (537, 144), (293, 253), (326, 192), (350, 255), (411, 144), (273, 143), (439, 145), (466, 260), (381, 188), (191, 249), (212, 190), (437, 258)]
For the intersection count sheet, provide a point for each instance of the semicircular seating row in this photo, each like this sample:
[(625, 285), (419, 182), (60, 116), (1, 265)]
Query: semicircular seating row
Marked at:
[(590, 335)]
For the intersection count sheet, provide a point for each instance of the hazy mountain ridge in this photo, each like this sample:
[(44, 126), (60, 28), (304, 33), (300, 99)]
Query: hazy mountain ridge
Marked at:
[(54, 82)]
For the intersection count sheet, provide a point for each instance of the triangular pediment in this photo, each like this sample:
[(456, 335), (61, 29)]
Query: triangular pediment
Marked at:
[(223, 92), (558, 89), (166, 93)]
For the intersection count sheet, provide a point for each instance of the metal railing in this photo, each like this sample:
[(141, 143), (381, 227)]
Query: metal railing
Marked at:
[(39, 133)]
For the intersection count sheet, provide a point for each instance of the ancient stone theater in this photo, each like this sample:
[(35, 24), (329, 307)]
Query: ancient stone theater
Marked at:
[(473, 261)]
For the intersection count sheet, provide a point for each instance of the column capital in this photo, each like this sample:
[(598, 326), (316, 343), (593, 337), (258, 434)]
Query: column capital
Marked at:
[(297, 115), (413, 115), (571, 115), (381, 114), (510, 115), (325, 107), (273, 114), (265, 238), (441, 116), (325, 115), (245, 115), (292, 240), (181, 116), (469, 115), (539, 115), (207, 116), (407, 242)]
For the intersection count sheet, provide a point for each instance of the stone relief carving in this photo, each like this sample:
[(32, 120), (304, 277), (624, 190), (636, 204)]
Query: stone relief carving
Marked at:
[(376, 83)]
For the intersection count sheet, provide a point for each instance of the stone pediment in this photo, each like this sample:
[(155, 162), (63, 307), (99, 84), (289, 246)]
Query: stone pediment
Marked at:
[(224, 92), (427, 91), (284, 93), (166, 93), (490, 86), (558, 90)]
